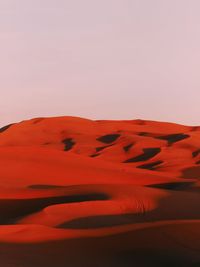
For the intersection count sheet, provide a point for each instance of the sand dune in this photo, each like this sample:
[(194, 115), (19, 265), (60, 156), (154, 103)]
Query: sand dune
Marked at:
[(76, 192)]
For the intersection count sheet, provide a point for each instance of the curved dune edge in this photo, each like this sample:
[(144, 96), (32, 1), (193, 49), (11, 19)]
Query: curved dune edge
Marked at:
[(39, 233)]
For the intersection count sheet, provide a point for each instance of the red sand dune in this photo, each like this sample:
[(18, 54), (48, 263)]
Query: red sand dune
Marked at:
[(82, 193)]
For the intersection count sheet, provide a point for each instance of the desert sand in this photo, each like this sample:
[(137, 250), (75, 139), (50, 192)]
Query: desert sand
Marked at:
[(81, 193)]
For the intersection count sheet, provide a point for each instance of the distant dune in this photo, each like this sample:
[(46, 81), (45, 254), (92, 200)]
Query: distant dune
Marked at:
[(81, 193)]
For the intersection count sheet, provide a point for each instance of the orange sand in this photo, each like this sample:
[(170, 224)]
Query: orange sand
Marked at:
[(82, 193)]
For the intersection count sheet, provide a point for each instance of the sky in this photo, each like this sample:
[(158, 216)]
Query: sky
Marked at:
[(108, 59)]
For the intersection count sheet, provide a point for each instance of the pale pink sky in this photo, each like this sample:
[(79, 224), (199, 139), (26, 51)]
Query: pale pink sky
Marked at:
[(108, 59)]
